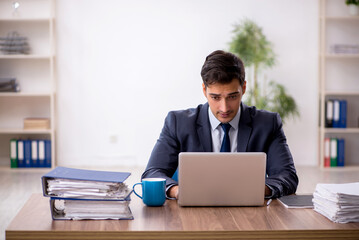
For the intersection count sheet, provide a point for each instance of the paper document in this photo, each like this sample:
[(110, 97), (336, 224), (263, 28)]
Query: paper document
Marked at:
[(96, 210), (69, 188), (337, 202)]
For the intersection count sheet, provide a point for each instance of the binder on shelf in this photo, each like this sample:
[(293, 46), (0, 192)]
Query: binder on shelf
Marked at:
[(342, 113), (13, 153), (341, 152), (41, 153), (333, 152), (20, 154), (327, 152), (336, 113), (27, 153), (34, 153), (47, 153), (80, 209), (84, 177), (329, 113)]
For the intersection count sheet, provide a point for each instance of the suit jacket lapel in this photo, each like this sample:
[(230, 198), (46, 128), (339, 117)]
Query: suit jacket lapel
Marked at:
[(244, 129), (203, 129)]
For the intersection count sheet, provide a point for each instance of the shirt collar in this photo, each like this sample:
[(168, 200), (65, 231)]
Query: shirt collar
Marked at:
[(215, 122)]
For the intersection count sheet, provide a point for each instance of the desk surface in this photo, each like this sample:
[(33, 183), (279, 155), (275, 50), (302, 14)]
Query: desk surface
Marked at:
[(171, 221)]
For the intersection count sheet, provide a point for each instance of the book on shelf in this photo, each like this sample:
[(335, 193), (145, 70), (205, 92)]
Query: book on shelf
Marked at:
[(36, 123), (336, 113), (30, 153), (77, 194), (334, 152)]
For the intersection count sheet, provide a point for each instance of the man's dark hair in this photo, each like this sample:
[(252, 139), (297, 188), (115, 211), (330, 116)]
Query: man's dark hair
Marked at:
[(222, 67)]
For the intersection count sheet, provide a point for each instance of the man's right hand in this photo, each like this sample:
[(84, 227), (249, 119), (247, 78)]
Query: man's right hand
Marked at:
[(173, 192)]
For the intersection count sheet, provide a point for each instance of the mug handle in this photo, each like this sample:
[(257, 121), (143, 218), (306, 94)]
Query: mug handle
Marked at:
[(133, 188)]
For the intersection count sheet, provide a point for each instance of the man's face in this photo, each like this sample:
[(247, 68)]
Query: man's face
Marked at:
[(224, 99)]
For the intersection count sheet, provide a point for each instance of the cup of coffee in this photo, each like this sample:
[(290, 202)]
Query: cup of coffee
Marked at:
[(153, 191)]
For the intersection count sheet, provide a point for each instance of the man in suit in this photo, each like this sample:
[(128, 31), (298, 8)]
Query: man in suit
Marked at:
[(224, 123)]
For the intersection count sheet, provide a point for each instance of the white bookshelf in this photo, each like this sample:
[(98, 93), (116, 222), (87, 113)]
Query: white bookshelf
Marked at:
[(35, 73), (339, 77)]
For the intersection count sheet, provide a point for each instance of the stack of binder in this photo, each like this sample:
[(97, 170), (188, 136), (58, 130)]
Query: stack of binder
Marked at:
[(77, 194), (338, 202)]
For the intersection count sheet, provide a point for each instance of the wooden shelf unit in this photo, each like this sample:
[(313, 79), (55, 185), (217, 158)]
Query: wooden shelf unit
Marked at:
[(35, 73), (339, 77)]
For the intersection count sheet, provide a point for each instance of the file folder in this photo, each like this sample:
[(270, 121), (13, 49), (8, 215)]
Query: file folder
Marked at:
[(81, 174), (13, 153), (47, 153), (27, 153), (60, 214), (20, 154), (341, 152), (333, 152), (34, 153), (41, 153)]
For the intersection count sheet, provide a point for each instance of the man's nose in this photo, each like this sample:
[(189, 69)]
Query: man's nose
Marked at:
[(224, 105)]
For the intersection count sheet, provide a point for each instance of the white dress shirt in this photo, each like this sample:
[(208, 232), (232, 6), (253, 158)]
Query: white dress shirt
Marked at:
[(218, 133)]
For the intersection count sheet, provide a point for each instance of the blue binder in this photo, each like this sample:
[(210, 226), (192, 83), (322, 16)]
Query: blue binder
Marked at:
[(20, 154), (41, 153), (81, 174), (336, 113), (343, 114), (47, 153), (60, 215), (27, 153), (341, 152), (34, 153)]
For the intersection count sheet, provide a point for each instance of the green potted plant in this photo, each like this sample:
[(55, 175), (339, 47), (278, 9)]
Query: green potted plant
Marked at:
[(353, 6), (252, 46)]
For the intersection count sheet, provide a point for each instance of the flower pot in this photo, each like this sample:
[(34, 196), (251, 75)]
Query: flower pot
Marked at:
[(353, 9)]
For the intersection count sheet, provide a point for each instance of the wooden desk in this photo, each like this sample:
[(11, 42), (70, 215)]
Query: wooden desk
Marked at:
[(174, 222)]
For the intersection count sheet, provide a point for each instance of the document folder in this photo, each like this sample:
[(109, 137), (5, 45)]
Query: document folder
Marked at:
[(81, 174), (90, 209)]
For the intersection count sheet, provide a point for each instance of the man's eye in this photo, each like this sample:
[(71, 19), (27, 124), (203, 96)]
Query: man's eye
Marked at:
[(215, 98), (233, 97)]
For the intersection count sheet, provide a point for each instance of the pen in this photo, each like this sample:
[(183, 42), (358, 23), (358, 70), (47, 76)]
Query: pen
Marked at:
[(269, 201)]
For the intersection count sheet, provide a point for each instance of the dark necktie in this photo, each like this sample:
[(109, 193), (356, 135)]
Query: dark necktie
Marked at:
[(226, 145)]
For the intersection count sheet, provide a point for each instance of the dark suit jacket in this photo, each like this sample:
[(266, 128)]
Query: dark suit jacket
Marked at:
[(259, 131)]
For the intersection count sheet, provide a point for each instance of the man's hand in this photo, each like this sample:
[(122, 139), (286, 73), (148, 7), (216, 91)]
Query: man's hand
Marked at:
[(173, 192), (268, 191)]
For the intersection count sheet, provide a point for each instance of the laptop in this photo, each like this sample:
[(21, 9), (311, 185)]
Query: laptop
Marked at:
[(221, 179)]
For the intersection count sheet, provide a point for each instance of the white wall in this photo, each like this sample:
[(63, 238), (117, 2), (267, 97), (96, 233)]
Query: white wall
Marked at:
[(122, 65)]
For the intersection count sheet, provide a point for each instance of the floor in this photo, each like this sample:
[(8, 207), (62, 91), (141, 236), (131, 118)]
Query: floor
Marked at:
[(17, 186)]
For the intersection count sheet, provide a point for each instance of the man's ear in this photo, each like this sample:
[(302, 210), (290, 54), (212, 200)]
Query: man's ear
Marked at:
[(244, 87), (204, 88)]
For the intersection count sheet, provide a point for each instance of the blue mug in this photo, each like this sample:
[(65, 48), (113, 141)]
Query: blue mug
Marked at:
[(153, 191)]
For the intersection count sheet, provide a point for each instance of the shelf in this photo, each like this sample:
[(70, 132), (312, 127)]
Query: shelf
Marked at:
[(25, 131), (40, 170), (340, 93), (26, 19), (22, 94), (341, 169), (342, 56), (23, 56), (341, 130), (341, 18)]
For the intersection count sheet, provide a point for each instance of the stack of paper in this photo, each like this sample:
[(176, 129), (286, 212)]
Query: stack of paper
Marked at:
[(90, 209), (68, 188), (337, 202), (87, 194)]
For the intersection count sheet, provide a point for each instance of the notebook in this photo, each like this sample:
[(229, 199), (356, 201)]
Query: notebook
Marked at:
[(221, 179)]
